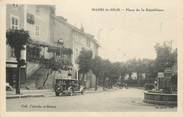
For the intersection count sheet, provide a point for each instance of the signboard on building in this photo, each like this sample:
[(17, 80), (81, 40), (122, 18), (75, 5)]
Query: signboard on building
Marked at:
[(160, 75), (134, 76)]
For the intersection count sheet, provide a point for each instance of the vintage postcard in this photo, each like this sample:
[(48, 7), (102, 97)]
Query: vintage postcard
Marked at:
[(92, 58)]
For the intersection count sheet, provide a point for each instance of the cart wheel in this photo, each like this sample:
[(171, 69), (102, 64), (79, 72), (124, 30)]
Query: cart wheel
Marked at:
[(57, 94), (71, 93), (82, 92)]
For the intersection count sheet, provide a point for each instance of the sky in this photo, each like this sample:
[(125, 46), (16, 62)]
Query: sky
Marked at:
[(124, 35)]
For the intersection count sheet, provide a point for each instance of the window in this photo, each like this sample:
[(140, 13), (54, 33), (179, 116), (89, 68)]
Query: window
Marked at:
[(37, 9), (37, 32), (14, 23), (88, 43), (76, 37), (76, 52), (15, 5)]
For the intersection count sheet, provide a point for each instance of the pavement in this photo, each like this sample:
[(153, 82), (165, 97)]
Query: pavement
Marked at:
[(43, 93), (28, 93)]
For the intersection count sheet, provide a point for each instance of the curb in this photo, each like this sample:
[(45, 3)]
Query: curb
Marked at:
[(98, 91), (24, 96), (93, 91)]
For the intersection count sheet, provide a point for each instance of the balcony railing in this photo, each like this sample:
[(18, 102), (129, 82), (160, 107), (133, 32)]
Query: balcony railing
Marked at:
[(33, 54)]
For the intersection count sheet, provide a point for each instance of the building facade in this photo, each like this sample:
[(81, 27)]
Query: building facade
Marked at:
[(73, 38), (46, 30), (36, 20)]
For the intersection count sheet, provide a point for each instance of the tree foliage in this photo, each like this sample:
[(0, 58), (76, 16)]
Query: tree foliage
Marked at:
[(85, 59), (16, 39), (102, 68), (96, 66), (165, 57)]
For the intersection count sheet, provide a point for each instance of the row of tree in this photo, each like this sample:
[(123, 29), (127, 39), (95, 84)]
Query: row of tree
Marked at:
[(166, 57)]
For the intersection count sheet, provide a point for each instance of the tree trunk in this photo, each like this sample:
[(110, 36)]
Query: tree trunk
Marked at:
[(54, 80), (48, 73), (96, 84), (83, 82), (18, 78), (103, 83)]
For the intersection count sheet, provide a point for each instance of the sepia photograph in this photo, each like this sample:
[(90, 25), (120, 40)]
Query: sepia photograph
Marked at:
[(95, 57)]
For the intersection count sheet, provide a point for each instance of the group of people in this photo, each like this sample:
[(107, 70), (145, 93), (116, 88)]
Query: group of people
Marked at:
[(122, 84)]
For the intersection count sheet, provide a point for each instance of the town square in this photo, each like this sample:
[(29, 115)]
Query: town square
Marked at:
[(60, 61)]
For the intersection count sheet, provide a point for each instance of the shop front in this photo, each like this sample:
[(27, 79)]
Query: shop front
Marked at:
[(11, 73)]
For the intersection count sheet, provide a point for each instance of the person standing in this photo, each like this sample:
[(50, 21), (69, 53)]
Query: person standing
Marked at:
[(156, 84)]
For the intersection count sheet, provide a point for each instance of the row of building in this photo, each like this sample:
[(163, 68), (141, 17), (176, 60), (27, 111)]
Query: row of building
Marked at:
[(46, 30)]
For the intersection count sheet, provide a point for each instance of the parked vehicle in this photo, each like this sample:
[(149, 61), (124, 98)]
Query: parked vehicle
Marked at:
[(68, 86)]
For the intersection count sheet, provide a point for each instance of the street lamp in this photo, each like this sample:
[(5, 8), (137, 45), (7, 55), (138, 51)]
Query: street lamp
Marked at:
[(60, 41), (20, 63)]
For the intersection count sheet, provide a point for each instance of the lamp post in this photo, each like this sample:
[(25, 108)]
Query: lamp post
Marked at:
[(21, 61)]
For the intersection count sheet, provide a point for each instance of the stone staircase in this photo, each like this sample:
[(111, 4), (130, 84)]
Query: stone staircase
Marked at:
[(31, 68), (36, 80)]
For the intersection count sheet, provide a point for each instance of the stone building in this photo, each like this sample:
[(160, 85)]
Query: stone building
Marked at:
[(36, 20), (46, 30), (73, 38)]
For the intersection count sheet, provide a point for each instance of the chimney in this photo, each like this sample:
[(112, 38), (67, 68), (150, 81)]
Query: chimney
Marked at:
[(82, 28)]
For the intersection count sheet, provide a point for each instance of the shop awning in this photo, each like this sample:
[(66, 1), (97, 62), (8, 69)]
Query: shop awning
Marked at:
[(44, 44)]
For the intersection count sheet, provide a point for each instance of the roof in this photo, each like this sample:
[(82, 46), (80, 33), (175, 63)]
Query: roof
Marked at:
[(42, 43), (89, 36), (66, 79)]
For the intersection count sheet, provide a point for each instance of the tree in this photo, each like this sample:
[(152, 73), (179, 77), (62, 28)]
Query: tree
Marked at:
[(104, 68), (106, 65), (84, 61), (96, 68), (165, 57), (115, 72), (17, 39)]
